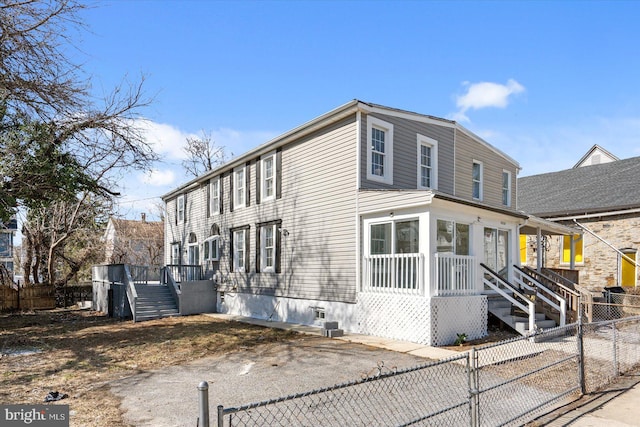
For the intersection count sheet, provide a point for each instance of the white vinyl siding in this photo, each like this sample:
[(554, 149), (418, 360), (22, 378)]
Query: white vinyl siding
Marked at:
[(379, 151), (427, 162)]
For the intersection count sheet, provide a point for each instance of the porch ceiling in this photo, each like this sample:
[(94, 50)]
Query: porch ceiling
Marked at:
[(547, 228)]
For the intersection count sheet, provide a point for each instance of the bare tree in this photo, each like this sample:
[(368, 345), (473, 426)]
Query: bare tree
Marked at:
[(62, 151), (203, 154)]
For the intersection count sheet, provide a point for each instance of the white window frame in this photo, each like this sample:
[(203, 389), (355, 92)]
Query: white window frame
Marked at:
[(264, 267), (211, 245), (264, 179), (180, 209), (239, 247), (214, 196), (506, 191), (387, 176), (239, 189), (425, 141), (175, 254), (480, 181)]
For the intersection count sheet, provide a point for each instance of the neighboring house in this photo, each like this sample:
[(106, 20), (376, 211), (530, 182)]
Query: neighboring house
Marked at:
[(7, 231), (134, 242), (374, 217), (602, 199)]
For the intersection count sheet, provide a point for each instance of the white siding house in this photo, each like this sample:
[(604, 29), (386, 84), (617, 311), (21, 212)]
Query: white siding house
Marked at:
[(374, 217)]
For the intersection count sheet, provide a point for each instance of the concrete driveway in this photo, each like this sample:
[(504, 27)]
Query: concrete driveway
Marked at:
[(169, 397)]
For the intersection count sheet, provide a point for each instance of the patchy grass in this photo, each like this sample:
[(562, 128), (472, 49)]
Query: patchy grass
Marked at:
[(80, 352)]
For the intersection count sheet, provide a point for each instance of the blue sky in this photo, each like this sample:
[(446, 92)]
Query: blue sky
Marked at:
[(542, 81)]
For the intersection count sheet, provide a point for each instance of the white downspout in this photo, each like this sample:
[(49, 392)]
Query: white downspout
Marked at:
[(606, 243)]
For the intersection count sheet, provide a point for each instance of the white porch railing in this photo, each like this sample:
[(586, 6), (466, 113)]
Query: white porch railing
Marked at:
[(453, 275), (394, 273)]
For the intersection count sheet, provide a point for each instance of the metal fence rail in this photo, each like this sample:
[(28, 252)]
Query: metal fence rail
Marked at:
[(502, 384)]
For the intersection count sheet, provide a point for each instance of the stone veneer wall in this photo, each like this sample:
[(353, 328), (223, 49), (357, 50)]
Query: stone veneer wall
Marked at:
[(600, 268)]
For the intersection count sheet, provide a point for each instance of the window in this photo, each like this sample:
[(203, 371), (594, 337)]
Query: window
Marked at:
[(239, 250), (565, 249), (427, 162), (214, 196), (175, 254), (239, 187), (496, 250), (211, 246), (268, 248), (477, 180), (180, 209), (452, 237), (268, 251), (6, 245), (506, 188), (379, 151), (268, 174), (405, 238)]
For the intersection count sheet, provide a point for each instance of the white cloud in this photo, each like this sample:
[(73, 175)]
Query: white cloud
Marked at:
[(159, 178), (485, 95), (166, 140)]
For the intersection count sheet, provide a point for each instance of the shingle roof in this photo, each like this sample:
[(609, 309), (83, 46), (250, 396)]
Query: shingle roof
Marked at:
[(588, 189), (141, 229)]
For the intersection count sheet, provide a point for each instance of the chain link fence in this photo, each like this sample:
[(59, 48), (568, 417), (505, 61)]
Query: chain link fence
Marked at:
[(502, 384)]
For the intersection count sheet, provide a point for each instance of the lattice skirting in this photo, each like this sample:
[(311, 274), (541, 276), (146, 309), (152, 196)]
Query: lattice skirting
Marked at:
[(400, 317), (451, 316)]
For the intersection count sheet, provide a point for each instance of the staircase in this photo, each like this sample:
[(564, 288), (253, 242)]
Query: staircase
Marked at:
[(516, 319), (154, 301)]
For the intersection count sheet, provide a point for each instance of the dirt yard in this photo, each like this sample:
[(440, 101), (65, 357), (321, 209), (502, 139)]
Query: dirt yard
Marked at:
[(79, 352)]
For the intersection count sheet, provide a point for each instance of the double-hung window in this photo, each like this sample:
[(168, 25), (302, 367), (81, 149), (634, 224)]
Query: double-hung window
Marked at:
[(268, 177), (239, 188), (239, 250), (214, 196), (477, 180), (180, 209), (211, 252), (427, 162), (268, 249), (506, 188), (379, 151), (175, 254)]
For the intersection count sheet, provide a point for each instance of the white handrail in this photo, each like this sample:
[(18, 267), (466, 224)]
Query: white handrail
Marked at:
[(561, 307), (530, 310)]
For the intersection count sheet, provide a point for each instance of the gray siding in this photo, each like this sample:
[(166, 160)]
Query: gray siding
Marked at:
[(317, 208), (405, 157), (468, 150)]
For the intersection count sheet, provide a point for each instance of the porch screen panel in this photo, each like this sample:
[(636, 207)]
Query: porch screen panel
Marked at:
[(490, 237), (380, 245), (407, 242), (444, 236), (462, 239)]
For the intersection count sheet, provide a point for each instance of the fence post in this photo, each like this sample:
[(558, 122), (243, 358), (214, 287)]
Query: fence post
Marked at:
[(581, 361), (472, 366), (221, 416), (616, 371), (203, 392)]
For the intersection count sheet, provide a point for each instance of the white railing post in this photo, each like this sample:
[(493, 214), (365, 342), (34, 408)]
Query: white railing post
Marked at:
[(532, 317)]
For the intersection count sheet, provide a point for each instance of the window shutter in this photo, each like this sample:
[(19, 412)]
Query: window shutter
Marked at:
[(176, 210), (231, 251), (278, 243), (232, 176), (221, 191), (247, 184), (278, 173), (258, 247), (247, 255), (208, 198), (258, 183), (185, 208)]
